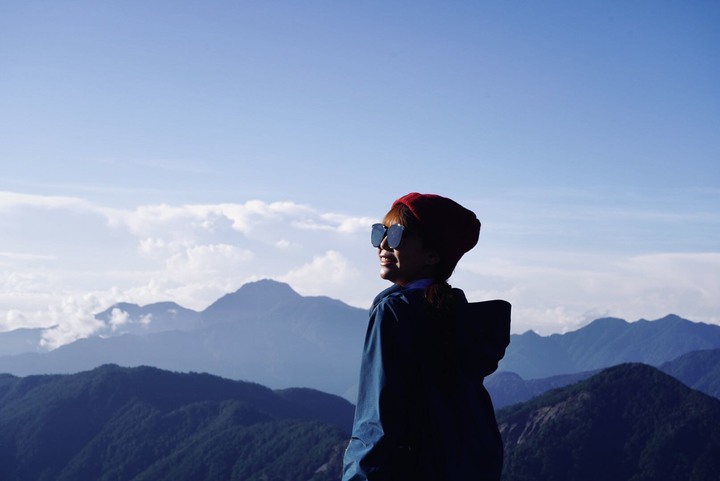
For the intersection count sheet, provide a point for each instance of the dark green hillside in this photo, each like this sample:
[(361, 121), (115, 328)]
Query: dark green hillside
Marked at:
[(125, 424), (627, 423), (328, 409)]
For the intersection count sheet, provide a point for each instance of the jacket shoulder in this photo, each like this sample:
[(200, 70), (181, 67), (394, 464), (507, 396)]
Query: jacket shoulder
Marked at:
[(396, 295), (385, 294)]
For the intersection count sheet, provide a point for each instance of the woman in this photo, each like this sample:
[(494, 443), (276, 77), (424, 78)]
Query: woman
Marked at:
[(422, 411)]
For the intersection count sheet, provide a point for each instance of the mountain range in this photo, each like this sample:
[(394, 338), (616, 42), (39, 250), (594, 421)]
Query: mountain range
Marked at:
[(264, 332), (143, 423), (630, 422), (613, 400), (606, 342), (699, 370), (267, 333)]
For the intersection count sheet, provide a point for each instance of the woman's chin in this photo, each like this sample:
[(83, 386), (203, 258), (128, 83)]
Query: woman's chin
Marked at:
[(387, 274)]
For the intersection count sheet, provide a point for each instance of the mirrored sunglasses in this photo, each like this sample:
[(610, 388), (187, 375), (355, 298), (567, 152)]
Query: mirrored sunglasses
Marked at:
[(394, 235)]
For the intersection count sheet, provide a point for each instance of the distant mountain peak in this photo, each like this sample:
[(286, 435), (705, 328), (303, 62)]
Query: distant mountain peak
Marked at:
[(262, 293), (252, 298), (608, 322), (125, 317), (530, 333), (672, 318), (268, 288)]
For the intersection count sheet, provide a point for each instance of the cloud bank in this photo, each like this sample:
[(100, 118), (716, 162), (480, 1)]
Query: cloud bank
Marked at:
[(64, 259)]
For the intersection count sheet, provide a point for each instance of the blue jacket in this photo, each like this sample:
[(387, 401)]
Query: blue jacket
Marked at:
[(422, 411)]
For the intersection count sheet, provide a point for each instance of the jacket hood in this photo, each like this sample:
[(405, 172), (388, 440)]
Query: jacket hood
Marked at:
[(483, 333)]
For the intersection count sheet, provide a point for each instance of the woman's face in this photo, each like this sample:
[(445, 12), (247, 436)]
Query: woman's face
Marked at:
[(409, 261)]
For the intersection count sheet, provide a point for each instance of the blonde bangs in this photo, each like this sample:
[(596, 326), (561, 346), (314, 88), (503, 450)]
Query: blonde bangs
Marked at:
[(401, 214)]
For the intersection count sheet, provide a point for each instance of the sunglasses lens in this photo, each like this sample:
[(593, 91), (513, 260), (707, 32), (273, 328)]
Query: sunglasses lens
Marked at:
[(377, 234), (394, 235)]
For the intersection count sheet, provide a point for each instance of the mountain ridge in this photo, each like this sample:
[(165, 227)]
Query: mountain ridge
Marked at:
[(283, 340), (606, 342), (146, 423), (699, 370), (628, 422), (268, 333)]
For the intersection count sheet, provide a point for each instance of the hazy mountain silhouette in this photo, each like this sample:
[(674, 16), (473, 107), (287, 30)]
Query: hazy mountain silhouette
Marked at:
[(267, 333), (534, 364), (607, 342), (21, 340), (254, 300), (264, 332), (157, 317), (699, 369), (629, 422), (148, 424), (508, 388)]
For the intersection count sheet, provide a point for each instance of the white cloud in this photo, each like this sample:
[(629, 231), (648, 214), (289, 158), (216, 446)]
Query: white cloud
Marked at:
[(119, 319), (191, 260), (13, 318), (152, 245), (15, 200), (162, 220), (556, 296), (330, 274), (246, 217), (24, 256), (681, 283), (73, 318), (252, 219), (350, 225), (193, 254)]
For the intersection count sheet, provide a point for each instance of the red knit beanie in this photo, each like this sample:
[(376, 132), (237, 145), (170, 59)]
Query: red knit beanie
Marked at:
[(449, 227)]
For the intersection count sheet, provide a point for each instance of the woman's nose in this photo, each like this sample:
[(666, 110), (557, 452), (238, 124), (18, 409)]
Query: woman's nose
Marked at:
[(384, 244)]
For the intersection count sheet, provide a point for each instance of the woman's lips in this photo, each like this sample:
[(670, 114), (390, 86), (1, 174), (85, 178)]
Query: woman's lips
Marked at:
[(386, 259)]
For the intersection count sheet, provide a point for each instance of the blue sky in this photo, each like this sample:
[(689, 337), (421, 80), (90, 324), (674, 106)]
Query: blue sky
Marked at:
[(174, 150)]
